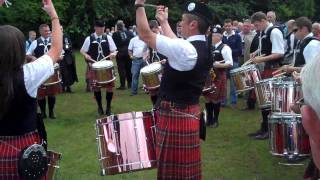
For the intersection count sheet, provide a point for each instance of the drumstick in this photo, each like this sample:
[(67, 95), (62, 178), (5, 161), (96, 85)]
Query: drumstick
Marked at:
[(150, 5), (105, 58), (279, 74), (250, 60)]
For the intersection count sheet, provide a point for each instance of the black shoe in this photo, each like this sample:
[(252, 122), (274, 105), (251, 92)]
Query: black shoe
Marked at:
[(43, 115), (121, 88), (262, 136), (108, 113), (51, 115), (100, 111), (255, 133), (247, 109), (214, 125), (68, 89), (133, 94)]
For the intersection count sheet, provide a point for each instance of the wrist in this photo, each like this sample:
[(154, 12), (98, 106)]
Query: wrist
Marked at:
[(54, 18), (139, 5)]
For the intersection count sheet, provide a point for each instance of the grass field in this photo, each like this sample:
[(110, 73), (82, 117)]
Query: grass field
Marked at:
[(227, 153)]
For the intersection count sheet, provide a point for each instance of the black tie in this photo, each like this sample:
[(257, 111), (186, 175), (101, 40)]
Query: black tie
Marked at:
[(99, 40), (45, 42)]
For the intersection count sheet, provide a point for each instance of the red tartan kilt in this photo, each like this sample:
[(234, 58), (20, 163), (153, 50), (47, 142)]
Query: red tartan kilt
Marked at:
[(266, 73), (51, 90), (9, 156), (178, 143), (221, 88), (90, 75)]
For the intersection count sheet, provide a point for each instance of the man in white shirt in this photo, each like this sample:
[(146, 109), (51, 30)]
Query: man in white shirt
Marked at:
[(38, 48), (222, 62), (271, 45), (96, 47), (184, 74), (137, 49)]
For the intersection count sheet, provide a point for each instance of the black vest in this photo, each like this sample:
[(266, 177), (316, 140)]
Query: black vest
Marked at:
[(39, 50), (185, 87), (288, 38), (217, 56), (21, 115), (300, 60), (93, 48), (266, 48)]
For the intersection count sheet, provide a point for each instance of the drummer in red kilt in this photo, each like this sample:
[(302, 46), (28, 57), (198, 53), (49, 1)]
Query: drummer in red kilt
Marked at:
[(272, 47), (222, 56), (38, 48), (18, 93), (188, 63), (96, 47)]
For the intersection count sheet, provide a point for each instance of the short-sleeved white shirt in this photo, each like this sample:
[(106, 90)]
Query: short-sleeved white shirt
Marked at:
[(226, 53), (311, 50), (181, 54), (34, 45), (86, 44), (276, 38), (36, 73), (137, 46)]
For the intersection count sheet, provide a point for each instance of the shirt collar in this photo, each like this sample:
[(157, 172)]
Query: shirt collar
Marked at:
[(269, 26), (218, 44), (309, 35), (196, 38), (228, 35), (42, 38), (96, 36)]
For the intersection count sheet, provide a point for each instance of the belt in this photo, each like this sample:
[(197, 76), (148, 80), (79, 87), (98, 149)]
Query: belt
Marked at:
[(171, 104)]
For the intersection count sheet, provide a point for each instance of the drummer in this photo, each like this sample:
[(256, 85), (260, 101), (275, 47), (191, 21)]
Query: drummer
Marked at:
[(272, 47), (307, 49), (222, 62), (178, 142), (38, 48), (95, 47)]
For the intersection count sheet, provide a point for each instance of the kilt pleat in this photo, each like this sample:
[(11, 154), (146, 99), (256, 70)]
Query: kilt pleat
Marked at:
[(10, 151), (52, 90), (178, 143)]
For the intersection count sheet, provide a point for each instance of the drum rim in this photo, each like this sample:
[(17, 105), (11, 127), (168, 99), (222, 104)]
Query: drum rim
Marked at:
[(252, 66), (107, 82), (52, 83), (110, 64), (154, 70)]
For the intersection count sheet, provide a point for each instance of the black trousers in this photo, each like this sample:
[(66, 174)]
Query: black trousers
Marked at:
[(124, 69)]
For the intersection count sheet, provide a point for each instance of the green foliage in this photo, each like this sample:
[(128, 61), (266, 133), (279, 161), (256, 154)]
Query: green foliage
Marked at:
[(78, 16)]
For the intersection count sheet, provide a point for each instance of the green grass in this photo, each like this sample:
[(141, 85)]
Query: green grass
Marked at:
[(226, 154)]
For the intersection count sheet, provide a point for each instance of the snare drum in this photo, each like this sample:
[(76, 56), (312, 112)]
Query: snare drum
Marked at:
[(285, 93), (126, 142), (55, 78), (151, 75), (287, 136), (264, 93), (245, 77), (103, 71), (53, 165)]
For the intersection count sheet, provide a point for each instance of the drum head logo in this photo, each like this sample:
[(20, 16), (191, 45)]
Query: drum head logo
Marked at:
[(191, 7)]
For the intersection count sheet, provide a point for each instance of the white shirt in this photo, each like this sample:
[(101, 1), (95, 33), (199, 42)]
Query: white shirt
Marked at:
[(225, 33), (181, 54), (36, 73), (226, 53), (137, 46), (311, 50), (292, 38), (276, 38), (34, 45), (86, 44)]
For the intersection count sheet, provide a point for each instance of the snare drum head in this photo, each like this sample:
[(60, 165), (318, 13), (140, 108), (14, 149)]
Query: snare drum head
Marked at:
[(153, 67), (244, 68), (285, 83), (102, 64)]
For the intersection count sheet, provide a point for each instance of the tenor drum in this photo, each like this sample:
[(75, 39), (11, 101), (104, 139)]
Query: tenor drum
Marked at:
[(245, 77), (264, 93), (285, 93), (287, 136), (53, 165), (126, 142), (55, 78), (151, 75), (104, 71)]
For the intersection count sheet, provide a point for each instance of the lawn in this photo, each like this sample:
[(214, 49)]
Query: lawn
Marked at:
[(227, 153)]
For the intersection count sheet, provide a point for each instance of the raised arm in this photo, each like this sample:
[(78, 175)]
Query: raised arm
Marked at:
[(56, 47), (143, 28), (162, 17)]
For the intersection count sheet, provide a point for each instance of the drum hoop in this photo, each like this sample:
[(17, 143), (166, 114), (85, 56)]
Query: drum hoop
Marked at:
[(102, 68), (243, 90), (53, 83), (126, 164), (106, 82), (150, 72), (244, 68), (152, 88)]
